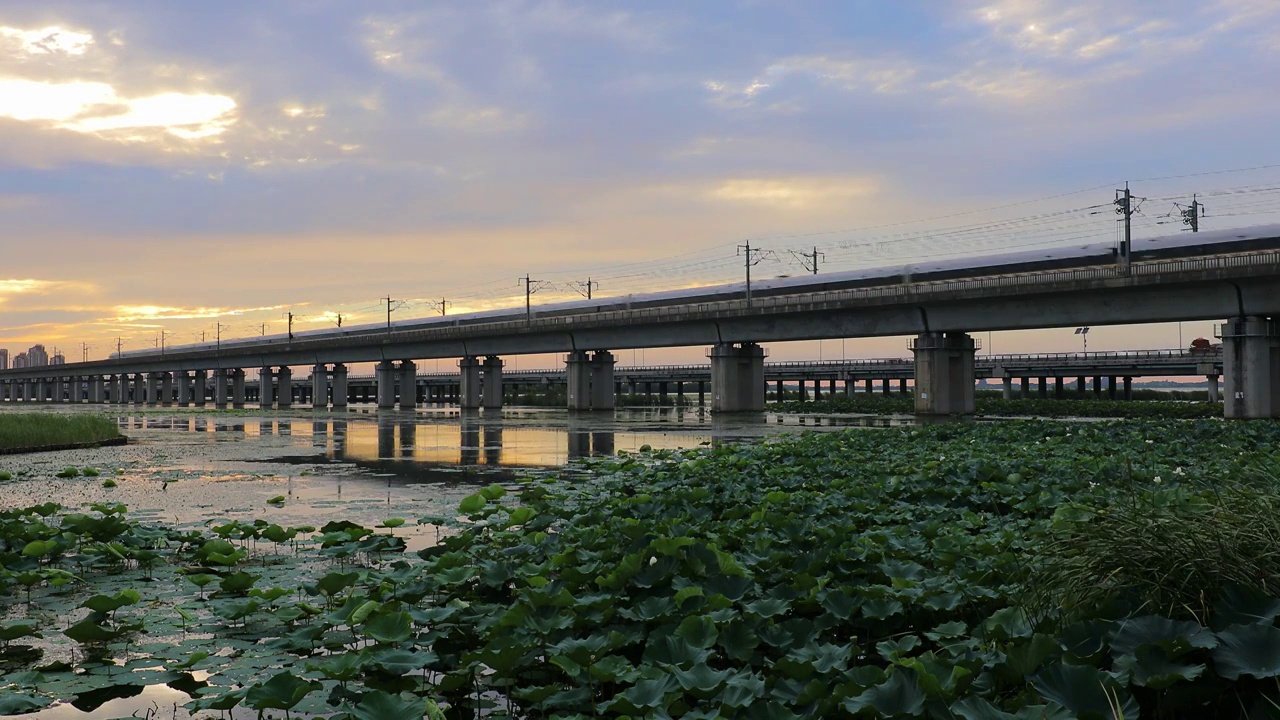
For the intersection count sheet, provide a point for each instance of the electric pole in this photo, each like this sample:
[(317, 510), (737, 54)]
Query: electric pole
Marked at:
[(119, 347), (810, 260), (84, 352), (289, 314), (584, 288), (339, 319), (1192, 213), (389, 309), (218, 333), (751, 257), (531, 286), (443, 304), (1126, 208)]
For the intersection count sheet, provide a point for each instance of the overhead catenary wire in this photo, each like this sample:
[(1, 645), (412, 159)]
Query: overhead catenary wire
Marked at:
[(853, 247)]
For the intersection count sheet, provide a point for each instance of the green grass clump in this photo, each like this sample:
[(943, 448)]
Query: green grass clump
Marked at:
[(1170, 549), (90, 472), (35, 430), (5, 476), (108, 483), (69, 472)]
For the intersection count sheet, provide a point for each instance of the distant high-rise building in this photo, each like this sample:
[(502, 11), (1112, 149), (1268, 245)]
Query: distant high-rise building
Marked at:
[(20, 360), (58, 359), (4, 359), (37, 356)]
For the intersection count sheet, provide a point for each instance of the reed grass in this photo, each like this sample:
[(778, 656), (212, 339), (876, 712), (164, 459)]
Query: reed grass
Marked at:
[(36, 430)]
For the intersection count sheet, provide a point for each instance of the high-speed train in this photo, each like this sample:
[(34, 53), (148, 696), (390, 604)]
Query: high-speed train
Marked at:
[(1252, 239)]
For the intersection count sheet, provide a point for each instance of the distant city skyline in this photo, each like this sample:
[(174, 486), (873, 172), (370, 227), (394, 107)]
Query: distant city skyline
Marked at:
[(169, 172)]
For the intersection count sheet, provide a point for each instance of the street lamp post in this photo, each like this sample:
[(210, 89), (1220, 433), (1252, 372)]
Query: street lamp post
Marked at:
[(1083, 332)]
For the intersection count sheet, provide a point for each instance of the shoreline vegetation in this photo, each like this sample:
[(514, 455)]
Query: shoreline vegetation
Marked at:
[(1020, 569), (872, 404), (21, 432)]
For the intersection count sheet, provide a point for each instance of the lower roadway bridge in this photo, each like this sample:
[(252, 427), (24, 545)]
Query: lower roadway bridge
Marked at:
[(1042, 374)]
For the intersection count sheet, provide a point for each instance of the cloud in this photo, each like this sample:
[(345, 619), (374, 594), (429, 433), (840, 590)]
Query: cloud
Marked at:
[(485, 120), (848, 74), (19, 287), (39, 94), (51, 40), (792, 193), (135, 313)]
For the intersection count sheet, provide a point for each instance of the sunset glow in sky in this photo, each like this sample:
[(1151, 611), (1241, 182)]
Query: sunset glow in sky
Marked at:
[(181, 167)]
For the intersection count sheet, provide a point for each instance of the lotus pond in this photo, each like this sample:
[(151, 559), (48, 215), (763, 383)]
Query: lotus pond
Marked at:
[(1000, 570)]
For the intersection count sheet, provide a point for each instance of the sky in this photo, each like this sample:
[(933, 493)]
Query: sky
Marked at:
[(195, 168)]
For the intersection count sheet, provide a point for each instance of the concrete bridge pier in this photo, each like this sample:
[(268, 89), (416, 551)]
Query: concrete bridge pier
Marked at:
[(1026, 388), (153, 388), (266, 388), (1212, 383), (183, 379), (737, 378), (1007, 392), (339, 386), (1251, 361), (578, 375), (602, 383), (944, 373), (491, 372), (320, 386), (220, 388), (1059, 388), (96, 395), (284, 395), (469, 397), (409, 385), (166, 388), (237, 388), (201, 387), (385, 377)]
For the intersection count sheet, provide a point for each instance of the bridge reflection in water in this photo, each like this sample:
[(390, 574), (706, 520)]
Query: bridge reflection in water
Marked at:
[(505, 439)]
